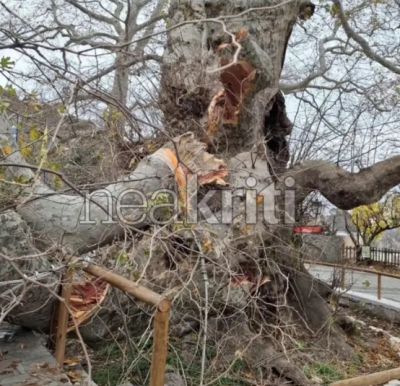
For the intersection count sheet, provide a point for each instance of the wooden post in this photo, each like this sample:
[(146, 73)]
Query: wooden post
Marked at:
[(161, 317), (343, 279), (372, 379), (160, 344), (63, 316), (379, 287)]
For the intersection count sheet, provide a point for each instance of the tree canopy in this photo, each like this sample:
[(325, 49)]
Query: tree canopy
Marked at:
[(373, 220)]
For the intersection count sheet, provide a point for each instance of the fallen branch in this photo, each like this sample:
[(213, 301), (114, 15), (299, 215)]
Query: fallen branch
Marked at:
[(372, 379)]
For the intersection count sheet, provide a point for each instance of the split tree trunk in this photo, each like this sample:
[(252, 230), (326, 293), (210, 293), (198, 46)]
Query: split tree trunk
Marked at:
[(240, 109), (228, 108)]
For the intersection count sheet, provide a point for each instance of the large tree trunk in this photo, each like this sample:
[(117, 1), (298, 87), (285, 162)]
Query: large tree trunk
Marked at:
[(227, 108), (121, 79), (239, 109)]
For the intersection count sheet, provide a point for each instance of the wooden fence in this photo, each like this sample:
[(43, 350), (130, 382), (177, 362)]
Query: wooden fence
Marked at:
[(370, 379), (161, 317), (343, 269), (383, 255)]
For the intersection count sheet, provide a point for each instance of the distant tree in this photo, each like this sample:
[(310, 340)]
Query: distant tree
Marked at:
[(104, 47), (373, 220)]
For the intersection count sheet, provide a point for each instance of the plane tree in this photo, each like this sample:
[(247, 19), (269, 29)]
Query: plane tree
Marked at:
[(224, 129)]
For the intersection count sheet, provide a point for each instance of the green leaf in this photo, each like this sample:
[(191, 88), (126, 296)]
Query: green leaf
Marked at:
[(7, 150), (11, 91), (4, 105), (22, 179), (55, 166), (58, 182), (6, 62), (122, 257)]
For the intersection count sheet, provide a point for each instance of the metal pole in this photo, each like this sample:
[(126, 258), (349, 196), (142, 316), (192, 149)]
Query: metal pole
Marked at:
[(343, 279), (379, 287)]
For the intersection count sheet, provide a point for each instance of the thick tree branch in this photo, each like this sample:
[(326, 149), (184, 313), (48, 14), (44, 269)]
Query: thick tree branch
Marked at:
[(344, 189), (81, 222)]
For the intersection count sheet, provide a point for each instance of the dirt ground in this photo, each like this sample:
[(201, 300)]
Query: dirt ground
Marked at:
[(376, 342)]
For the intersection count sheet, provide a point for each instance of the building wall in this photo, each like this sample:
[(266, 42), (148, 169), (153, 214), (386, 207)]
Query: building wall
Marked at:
[(347, 241)]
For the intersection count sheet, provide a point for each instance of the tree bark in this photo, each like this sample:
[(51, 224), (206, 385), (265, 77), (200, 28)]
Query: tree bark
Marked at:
[(26, 276), (226, 108), (121, 79), (344, 189), (81, 223)]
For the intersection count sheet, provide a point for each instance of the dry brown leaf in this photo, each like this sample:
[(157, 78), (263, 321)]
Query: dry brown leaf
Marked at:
[(74, 376), (73, 361), (249, 375)]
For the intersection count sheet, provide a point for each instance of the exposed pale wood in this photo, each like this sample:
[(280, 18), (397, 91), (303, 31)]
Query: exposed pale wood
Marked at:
[(160, 345), (63, 316), (82, 316), (372, 379), (140, 292)]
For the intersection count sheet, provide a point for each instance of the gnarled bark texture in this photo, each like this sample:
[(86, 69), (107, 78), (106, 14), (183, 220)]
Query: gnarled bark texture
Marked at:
[(344, 189), (28, 304), (227, 108)]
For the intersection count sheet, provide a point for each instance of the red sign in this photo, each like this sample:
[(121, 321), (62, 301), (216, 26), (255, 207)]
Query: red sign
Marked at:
[(309, 229)]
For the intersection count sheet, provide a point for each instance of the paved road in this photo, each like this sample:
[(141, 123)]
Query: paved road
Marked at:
[(364, 285), (361, 282), (25, 361)]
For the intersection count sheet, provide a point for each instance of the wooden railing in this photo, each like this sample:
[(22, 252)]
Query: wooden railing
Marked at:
[(161, 317), (343, 268), (381, 255), (370, 379), (161, 320)]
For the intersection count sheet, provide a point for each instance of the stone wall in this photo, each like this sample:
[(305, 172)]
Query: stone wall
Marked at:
[(322, 248)]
